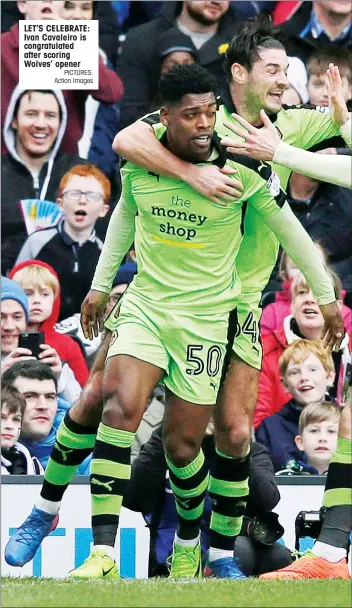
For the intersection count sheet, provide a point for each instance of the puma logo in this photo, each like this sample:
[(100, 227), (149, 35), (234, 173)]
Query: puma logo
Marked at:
[(104, 484), (64, 453), (214, 386), (154, 175), (184, 503)]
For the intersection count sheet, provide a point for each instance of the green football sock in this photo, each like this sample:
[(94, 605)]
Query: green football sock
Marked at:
[(110, 474), (228, 491)]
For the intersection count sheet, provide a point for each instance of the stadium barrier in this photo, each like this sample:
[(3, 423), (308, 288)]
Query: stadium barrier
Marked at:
[(70, 543)]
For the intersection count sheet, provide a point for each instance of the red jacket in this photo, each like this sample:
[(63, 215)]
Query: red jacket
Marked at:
[(110, 91), (272, 394), (67, 348), (274, 314)]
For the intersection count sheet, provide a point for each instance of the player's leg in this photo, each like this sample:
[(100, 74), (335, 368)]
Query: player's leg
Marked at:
[(328, 556), (136, 362), (74, 442), (195, 371), (233, 415)]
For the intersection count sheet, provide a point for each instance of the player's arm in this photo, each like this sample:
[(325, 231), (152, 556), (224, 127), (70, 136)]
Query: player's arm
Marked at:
[(139, 144), (270, 202), (265, 144), (119, 237)]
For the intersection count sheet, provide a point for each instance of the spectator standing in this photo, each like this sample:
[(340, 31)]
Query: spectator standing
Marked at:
[(317, 24), (72, 247), (15, 457), (41, 285), (307, 322), (110, 86), (33, 166), (210, 25), (307, 371), (44, 410)]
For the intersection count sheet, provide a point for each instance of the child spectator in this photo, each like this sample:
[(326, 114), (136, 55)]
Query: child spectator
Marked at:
[(306, 321), (15, 457), (317, 439), (175, 48), (41, 285), (317, 66), (275, 312), (44, 410), (72, 247), (307, 371), (34, 127), (296, 92)]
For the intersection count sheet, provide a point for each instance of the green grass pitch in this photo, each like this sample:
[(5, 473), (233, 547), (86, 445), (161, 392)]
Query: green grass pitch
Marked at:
[(48, 593)]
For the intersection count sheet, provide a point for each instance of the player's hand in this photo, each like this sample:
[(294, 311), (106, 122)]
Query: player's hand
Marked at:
[(337, 104), (18, 354), (50, 356), (258, 143), (214, 183), (334, 330), (92, 313)]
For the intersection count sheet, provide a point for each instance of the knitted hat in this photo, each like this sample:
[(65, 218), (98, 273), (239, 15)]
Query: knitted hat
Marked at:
[(10, 290), (125, 274), (174, 40)]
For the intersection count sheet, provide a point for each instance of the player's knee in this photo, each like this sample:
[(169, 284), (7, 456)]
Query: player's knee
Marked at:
[(119, 407), (236, 435), (181, 452), (88, 409)]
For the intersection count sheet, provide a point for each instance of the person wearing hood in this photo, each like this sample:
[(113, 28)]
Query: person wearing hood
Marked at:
[(110, 85), (42, 288), (209, 25), (44, 409), (35, 125), (275, 312), (307, 371), (307, 322)]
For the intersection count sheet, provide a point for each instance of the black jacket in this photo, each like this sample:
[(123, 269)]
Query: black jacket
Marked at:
[(17, 184), (74, 264), (328, 220), (139, 65), (303, 47), (146, 490)]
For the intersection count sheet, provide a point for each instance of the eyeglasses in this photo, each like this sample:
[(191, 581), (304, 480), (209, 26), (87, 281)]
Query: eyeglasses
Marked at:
[(116, 297), (76, 195)]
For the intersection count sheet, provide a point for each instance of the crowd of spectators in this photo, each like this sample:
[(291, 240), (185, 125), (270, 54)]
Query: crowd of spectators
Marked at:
[(57, 147)]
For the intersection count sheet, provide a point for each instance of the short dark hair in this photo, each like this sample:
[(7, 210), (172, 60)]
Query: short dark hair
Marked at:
[(12, 398), (29, 92), (320, 58), (255, 34), (183, 80), (33, 370)]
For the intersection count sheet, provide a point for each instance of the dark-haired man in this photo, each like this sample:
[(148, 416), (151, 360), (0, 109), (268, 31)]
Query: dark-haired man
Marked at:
[(256, 67), (34, 127), (172, 325)]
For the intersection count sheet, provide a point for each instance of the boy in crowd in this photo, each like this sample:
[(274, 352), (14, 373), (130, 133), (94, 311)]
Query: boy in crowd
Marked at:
[(317, 66), (41, 285), (306, 369), (72, 247), (15, 457), (317, 439)]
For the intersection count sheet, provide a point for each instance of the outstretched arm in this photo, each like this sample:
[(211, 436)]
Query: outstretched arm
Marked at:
[(265, 144), (139, 145)]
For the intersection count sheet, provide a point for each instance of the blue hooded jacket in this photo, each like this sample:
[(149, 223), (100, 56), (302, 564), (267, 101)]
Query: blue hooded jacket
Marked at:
[(42, 449)]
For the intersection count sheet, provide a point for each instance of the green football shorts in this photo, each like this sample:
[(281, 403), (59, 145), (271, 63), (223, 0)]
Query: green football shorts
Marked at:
[(247, 344), (189, 347)]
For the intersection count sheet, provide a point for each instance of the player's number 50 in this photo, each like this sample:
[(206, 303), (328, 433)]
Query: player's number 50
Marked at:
[(214, 357)]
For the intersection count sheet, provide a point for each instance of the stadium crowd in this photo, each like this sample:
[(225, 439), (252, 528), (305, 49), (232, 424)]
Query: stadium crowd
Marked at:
[(61, 168)]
